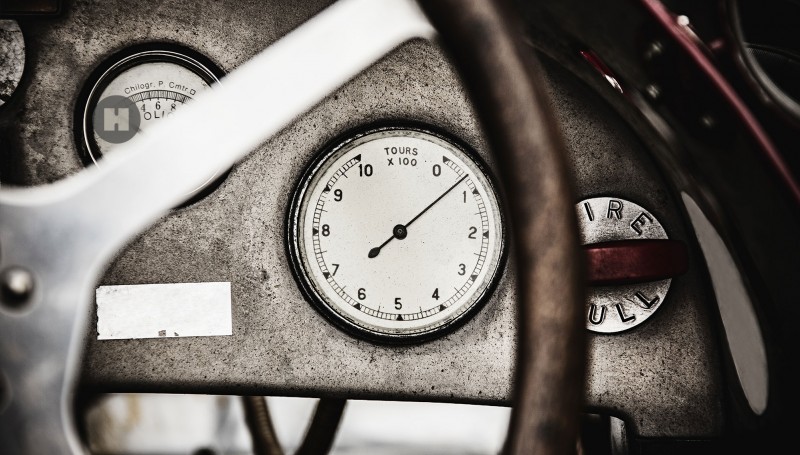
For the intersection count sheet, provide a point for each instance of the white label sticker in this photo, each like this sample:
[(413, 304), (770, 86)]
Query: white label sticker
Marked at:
[(163, 310)]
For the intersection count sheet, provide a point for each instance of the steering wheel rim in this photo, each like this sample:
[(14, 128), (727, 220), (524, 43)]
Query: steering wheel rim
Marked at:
[(482, 36)]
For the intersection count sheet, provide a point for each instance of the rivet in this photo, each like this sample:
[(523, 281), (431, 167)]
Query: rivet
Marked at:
[(16, 286)]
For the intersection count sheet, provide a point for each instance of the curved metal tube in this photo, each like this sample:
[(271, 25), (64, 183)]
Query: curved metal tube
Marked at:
[(259, 422), (319, 436), (322, 430)]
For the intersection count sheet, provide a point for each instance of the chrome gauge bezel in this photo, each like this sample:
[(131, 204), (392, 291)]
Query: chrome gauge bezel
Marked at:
[(294, 236), (88, 149)]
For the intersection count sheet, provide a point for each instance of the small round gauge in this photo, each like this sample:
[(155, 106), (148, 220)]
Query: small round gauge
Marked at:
[(153, 83), (396, 234)]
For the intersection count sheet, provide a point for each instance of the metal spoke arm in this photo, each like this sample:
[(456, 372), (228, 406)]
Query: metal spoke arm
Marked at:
[(59, 238)]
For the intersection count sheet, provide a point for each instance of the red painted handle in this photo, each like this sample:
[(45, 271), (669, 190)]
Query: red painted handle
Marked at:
[(635, 261)]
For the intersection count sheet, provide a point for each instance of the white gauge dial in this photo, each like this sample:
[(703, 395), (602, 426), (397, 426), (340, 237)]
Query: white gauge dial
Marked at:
[(397, 233), (157, 88), (153, 83)]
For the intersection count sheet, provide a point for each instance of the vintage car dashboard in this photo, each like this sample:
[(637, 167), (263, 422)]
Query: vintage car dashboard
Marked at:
[(654, 357)]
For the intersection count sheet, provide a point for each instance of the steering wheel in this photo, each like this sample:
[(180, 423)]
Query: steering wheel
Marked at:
[(56, 240)]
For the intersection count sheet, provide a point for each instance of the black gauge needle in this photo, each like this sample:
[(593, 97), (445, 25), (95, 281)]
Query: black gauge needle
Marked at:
[(400, 231)]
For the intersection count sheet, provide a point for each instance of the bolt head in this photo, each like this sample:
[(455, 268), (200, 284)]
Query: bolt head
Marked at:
[(16, 286), (653, 91)]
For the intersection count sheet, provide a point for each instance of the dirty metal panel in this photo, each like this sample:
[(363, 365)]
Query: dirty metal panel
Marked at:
[(662, 376)]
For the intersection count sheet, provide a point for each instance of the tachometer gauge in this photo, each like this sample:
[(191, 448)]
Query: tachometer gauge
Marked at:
[(396, 233), (136, 89)]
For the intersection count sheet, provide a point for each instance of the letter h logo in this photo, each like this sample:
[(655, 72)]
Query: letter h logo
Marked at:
[(116, 119)]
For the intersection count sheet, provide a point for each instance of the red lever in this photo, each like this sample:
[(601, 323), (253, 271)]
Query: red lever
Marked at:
[(635, 261)]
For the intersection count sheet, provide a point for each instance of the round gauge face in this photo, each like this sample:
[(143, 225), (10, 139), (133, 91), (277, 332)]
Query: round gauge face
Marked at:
[(396, 234), (135, 92)]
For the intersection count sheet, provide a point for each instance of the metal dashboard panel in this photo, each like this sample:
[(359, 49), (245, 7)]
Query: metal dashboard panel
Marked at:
[(662, 376)]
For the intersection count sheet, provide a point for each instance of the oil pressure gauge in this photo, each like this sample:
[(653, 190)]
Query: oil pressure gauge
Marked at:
[(396, 233), (136, 89)]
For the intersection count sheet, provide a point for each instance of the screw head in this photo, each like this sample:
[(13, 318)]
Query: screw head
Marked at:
[(654, 50), (400, 232), (16, 286), (653, 92)]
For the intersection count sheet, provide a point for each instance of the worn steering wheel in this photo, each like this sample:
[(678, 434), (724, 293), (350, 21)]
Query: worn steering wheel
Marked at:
[(56, 240)]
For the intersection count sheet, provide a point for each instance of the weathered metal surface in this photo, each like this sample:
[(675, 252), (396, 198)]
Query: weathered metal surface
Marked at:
[(12, 58), (662, 376)]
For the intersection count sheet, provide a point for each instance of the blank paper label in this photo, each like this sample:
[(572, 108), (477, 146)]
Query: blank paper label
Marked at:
[(163, 310)]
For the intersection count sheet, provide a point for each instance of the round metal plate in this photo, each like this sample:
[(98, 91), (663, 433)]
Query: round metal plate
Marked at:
[(613, 309)]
